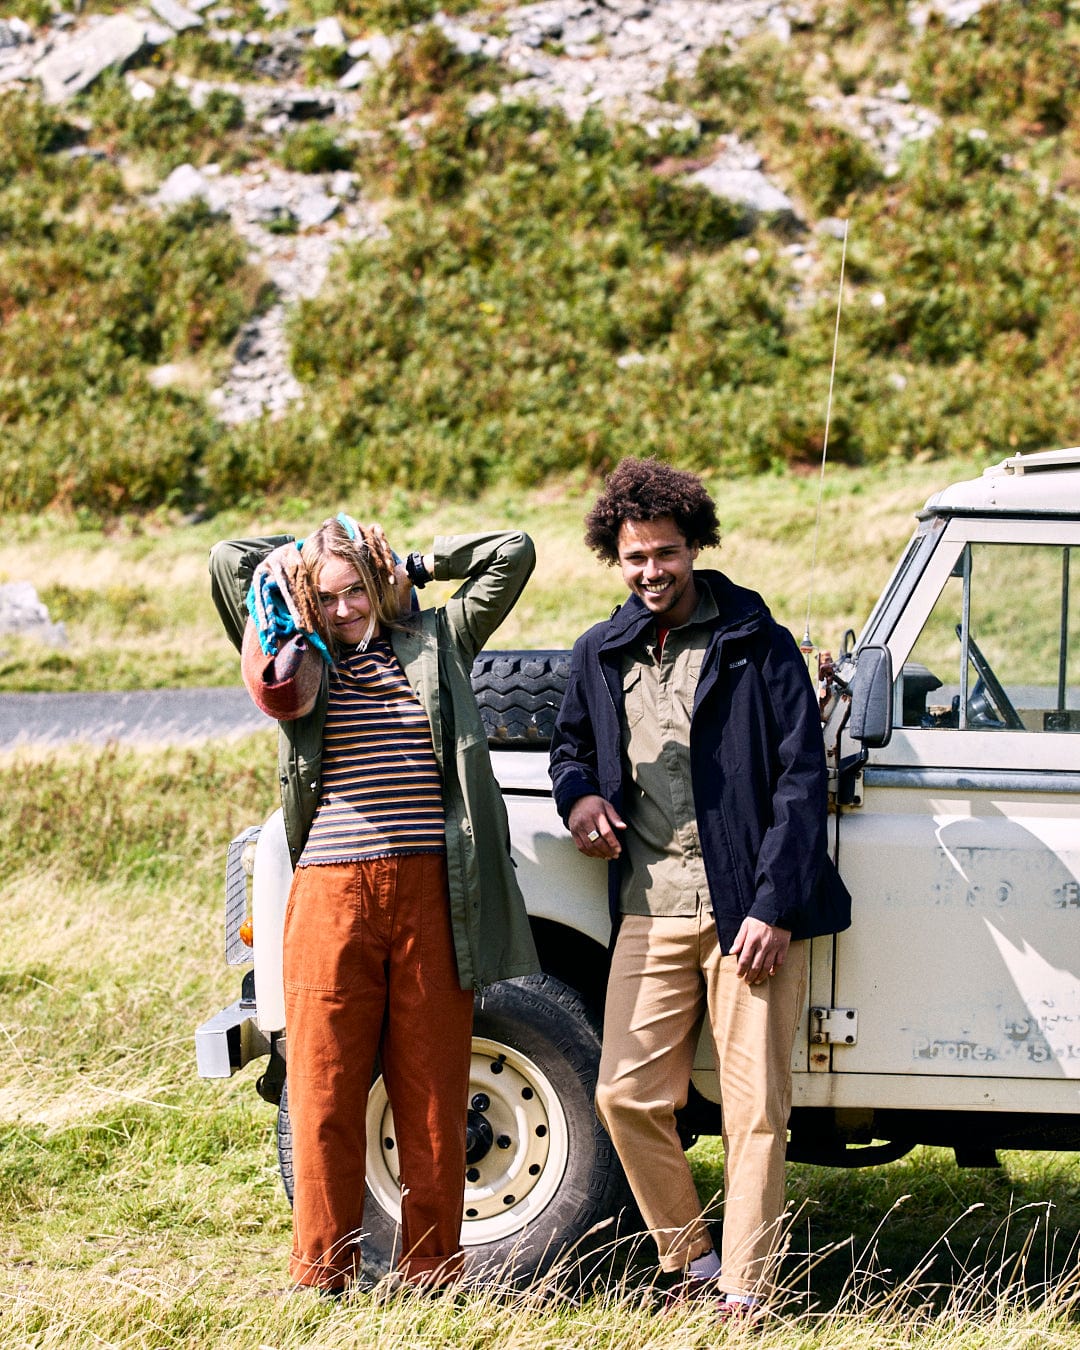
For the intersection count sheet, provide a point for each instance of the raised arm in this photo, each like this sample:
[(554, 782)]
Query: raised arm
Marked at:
[(494, 568), (232, 563)]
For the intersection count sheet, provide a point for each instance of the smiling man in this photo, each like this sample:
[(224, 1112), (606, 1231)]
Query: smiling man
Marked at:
[(688, 754)]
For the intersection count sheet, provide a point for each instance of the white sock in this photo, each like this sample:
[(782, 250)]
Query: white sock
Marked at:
[(746, 1300), (705, 1267)]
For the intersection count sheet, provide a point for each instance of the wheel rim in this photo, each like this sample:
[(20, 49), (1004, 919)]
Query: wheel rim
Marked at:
[(517, 1149)]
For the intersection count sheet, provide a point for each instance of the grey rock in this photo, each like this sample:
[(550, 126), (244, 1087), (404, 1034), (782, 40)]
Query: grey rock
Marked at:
[(357, 73), (582, 33), (749, 188), (956, 13), (329, 33), (84, 152), (779, 25), (182, 185), (316, 208), (344, 184), (267, 205), (164, 377), (378, 49), (482, 104), (274, 9), (832, 227), (176, 15), (157, 34), (141, 91), (21, 611), (464, 40), (301, 106), (14, 32), (69, 69)]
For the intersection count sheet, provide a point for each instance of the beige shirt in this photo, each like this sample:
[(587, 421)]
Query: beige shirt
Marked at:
[(663, 873)]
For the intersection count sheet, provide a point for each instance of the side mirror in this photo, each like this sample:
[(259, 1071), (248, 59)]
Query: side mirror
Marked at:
[(872, 698)]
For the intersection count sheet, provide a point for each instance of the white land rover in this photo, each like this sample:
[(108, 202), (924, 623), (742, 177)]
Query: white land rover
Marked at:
[(949, 1013)]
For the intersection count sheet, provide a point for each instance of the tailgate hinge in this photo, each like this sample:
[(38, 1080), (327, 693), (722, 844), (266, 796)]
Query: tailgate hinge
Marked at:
[(834, 1026)]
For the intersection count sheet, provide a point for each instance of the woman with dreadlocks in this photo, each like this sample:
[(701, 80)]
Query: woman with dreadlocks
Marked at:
[(403, 898)]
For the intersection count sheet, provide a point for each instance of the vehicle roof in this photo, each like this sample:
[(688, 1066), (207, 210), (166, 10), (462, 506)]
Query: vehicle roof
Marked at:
[(1046, 483)]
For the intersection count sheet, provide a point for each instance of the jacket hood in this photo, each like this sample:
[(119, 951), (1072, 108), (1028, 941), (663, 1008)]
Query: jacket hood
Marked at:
[(738, 608)]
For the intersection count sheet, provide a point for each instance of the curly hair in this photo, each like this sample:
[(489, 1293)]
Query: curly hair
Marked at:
[(645, 489)]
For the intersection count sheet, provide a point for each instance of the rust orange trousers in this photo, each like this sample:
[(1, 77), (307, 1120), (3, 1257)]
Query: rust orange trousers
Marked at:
[(369, 970)]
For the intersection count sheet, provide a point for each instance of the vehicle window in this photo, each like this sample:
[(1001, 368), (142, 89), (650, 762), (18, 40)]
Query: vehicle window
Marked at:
[(1001, 648)]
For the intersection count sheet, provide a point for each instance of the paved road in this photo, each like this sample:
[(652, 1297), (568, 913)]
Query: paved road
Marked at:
[(148, 716)]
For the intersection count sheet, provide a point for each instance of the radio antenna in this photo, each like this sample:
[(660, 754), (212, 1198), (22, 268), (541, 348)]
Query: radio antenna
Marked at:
[(807, 644)]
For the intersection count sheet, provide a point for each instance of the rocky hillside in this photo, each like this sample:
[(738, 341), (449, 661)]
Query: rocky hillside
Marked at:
[(396, 245)]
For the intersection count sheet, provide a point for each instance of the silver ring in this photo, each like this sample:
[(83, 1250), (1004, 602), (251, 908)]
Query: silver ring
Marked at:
[(593, 835)]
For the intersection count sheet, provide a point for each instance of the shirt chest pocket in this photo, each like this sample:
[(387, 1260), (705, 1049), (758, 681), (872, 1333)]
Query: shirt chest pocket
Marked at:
[(634, 698)]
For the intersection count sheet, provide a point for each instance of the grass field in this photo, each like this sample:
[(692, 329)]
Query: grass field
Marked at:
[(140, 1207), (136, 605)]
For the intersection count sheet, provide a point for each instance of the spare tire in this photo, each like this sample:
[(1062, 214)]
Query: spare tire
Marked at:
[(519, 694)]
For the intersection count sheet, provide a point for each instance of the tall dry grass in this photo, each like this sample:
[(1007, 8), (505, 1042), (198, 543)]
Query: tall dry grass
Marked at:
[(140, 1207)]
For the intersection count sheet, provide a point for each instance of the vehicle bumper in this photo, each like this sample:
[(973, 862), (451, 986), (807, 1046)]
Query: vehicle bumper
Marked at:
[(229, 1040)]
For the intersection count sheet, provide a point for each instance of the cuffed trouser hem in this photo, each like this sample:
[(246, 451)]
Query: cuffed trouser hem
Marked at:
[(679, 1255), (330, 1271), (431, 1272)]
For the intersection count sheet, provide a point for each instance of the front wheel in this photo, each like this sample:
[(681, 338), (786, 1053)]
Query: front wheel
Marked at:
[(541, 1175)]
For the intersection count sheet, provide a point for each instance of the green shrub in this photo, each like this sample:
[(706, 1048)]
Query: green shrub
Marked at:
[(1013, 60), (386, 15), (119, 606), (323, 65), (970, 255), (426, 65), (167, 128), (90, 300), (738, 91), (29, 130), (195, 53), (314, 148), (832, 166)]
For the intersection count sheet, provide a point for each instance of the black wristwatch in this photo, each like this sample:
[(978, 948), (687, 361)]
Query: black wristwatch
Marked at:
[(417, 572)]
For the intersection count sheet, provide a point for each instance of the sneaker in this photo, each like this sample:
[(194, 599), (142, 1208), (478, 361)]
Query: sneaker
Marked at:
[(691, 1289), (735, 1310)]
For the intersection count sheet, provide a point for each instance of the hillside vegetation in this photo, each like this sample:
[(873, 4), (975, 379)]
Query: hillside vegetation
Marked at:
[(551, 294)]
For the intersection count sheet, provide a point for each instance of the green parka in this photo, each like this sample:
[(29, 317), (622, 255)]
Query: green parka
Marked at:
[(436, 649)]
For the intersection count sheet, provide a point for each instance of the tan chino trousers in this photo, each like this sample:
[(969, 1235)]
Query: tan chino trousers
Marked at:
[(666, 975)]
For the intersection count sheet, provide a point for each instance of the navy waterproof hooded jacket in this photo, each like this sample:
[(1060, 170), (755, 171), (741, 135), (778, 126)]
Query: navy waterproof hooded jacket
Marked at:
[(757, 762)]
